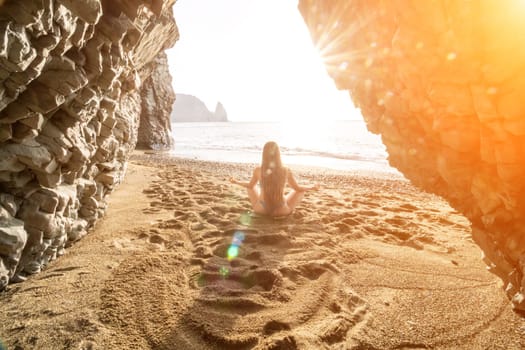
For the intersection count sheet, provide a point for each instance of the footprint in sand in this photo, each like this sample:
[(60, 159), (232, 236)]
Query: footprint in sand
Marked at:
[(264, 294), (157, 239), (266, 284), (274, 326), (396, 221), (172, 224), (292, 296), (367, 213)]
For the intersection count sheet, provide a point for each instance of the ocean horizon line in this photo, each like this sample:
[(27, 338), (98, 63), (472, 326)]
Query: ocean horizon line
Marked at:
[(268, 121), (340, 145)]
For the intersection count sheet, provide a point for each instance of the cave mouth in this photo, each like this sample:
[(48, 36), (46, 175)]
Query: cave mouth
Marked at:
[(441, 84), (440, 81), (290, 85), (259, 72)]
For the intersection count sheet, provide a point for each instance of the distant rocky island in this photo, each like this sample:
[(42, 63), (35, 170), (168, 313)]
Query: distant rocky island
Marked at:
[(188, 108)]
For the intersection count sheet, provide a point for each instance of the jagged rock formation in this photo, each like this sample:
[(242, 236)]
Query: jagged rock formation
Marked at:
[(70, 74), (157, 98), (443, 82), (220, 113), (188, 108)]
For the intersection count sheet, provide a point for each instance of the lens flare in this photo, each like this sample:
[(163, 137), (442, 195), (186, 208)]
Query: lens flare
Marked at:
[(451, 56), (245, 219), (224, 271), (233, 250), (238, 238)]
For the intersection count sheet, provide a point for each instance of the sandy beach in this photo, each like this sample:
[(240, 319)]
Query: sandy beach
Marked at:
[(367, 262)]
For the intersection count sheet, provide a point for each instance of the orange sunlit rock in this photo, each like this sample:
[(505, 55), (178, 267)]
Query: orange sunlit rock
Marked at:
[(443, 82)]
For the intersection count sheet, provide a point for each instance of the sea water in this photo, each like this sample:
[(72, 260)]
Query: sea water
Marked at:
[(341, 145)]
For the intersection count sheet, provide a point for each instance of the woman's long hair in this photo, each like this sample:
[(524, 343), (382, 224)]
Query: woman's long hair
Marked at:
[(273, 176)]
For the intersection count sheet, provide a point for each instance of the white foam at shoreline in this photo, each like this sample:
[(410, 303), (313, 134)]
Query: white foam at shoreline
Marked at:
[(345, 145)]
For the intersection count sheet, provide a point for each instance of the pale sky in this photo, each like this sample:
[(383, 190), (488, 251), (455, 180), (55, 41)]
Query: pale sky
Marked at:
[(257, 58)]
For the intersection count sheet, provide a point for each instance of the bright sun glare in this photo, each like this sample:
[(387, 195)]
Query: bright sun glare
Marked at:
[(260, 69), (297, 135)]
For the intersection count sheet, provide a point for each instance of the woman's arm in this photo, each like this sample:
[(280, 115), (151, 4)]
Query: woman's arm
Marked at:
[(293, 184), (251, 184)]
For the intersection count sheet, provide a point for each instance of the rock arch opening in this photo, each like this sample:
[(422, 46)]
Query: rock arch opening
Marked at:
[(442, 82)]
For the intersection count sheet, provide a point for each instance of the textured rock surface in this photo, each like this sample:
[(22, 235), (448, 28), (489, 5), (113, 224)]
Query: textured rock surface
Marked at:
[(70, 75), (188, 108), (443, 82), (157, 97), (220, 113)]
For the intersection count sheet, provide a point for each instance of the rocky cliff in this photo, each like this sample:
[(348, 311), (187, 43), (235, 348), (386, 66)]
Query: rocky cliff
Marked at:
[(220, 113), (443, 82), (188, 108), (157, 97), (71, 74)]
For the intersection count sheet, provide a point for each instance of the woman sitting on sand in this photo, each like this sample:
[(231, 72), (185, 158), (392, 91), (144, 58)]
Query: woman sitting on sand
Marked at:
[(272, 177)]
